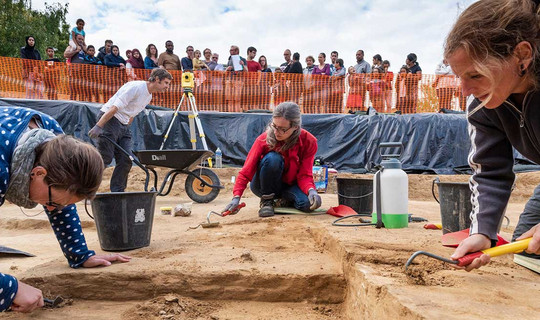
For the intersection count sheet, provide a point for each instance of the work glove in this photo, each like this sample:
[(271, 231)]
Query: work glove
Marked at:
[(314, 199), (232, 205), (95, 132)]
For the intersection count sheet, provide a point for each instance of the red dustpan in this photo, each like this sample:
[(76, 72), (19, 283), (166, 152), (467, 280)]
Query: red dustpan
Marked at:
[(341, 211), (453, 239)]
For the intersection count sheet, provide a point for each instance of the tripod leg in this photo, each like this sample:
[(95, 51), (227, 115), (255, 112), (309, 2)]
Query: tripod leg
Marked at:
[(172, 122), (197, 120)]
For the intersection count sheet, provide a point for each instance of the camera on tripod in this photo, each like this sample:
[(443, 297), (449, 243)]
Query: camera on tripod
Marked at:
[(187, 80)]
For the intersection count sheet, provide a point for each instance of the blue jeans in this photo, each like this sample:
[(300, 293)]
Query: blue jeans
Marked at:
[(267, 180), (120, 134)]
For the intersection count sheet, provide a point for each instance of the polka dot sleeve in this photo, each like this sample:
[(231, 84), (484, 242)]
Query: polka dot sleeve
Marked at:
[(8, 290), (67, 228)]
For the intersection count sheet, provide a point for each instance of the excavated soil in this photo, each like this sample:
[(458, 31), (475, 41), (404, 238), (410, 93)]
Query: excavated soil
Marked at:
[(284, 267)]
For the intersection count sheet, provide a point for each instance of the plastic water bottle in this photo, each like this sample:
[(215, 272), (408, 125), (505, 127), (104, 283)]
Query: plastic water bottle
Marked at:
[(219, 155)]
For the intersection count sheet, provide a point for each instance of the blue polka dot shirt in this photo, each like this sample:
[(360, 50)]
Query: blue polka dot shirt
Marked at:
[(65, 224)]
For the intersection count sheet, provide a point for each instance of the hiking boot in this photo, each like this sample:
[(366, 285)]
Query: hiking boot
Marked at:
[(267, 206)]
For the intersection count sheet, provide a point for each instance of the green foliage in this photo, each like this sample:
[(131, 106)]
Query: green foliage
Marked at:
[(18, 20)]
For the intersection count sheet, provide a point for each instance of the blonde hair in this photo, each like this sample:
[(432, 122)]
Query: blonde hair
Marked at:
[(72, 165), (489, 31), (290, 111)]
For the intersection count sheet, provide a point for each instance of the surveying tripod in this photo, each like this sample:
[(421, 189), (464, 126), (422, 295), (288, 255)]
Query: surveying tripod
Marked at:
[(193, 117)]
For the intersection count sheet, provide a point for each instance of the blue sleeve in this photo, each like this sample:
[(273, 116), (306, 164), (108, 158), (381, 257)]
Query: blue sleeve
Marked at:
[(67, 228), (185, 64), (8, 290), (149, 64), (109, 62)]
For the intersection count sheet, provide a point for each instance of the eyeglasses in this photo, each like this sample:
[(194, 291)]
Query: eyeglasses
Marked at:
[(279, 129), (50, 203)]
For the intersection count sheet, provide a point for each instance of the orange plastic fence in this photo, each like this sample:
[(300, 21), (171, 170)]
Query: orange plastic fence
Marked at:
[(237, 91)]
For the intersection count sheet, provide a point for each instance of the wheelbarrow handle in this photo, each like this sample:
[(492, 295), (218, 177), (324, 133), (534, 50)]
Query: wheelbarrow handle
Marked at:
[(238, 207)]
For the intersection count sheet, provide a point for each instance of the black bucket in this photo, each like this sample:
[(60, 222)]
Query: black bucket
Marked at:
[(356, 193), (455, 204), (124, 219)]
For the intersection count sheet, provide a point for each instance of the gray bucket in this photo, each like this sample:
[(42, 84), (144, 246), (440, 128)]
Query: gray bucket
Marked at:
[(124, 219), (356, 193), (455, 204)]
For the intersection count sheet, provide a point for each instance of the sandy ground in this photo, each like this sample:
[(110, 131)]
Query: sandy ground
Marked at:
[(284, 267)]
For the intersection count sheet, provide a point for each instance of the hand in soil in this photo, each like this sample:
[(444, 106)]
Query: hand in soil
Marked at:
[(534, 245), (105, 260), (27, 298), (474, 243)]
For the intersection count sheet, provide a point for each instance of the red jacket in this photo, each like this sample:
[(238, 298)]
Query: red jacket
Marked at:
[(298, 163)]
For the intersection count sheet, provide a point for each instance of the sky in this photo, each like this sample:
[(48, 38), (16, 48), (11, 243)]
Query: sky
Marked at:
[(391, 28)]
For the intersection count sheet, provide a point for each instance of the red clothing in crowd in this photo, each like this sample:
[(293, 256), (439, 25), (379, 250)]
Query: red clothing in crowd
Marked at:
[(298, 162), (253, 66)]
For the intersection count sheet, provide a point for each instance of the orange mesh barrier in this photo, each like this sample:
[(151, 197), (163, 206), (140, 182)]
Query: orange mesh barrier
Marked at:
[(237, 91)]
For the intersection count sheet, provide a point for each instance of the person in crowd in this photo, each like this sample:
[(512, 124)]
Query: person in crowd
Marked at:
[(90, 92), (279, 165), (445, 85), (235, 80), (216, 84), (335, 99), (287, 56), (77, 76), (415, 75), (128, 54), (376, 88), (33, 80), (362, 69), (252, 64), (115, 119), (136, 61), (114, 59), (151, 59), (51, 75), (105, 50), (264, 64), (187, 61), (403, 89), (295, 66), (377, 61), (308, 103), (334, 55), (322, 67), (494, 49), (387, 92), (354, 97), (207, 53), (219, 66), (198, 64), (168, 60), (41, 166), (79, 29)]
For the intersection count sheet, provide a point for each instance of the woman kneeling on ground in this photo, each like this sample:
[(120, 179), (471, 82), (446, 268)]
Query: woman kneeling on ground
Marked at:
[(280, 165), (494, 49), (39, 167)]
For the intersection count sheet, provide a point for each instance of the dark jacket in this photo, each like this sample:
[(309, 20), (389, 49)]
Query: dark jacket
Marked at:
[(295, 67), (114, 61), (101, 54), (493, 134)]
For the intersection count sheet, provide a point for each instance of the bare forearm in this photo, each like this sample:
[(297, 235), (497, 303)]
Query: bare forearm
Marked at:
[(107, 116)]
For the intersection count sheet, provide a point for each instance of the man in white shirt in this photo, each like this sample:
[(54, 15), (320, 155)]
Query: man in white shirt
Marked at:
[(115, 119)]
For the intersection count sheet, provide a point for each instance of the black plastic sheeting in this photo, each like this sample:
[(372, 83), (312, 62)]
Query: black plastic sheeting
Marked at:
[(434, 143)]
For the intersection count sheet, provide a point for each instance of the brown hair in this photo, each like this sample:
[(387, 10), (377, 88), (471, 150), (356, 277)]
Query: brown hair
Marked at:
[(148, 50), (289, 111), (489, 31), (72, 165), (159, 74)]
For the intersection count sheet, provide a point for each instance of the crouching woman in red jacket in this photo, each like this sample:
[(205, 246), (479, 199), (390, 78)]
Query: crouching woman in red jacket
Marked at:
[(280, 165)]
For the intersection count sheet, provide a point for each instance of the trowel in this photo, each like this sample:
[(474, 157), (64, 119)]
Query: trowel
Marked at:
[(7, 250), (209, 224)]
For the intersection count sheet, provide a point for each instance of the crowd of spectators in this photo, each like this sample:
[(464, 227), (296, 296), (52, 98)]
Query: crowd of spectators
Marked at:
[(325, 94)]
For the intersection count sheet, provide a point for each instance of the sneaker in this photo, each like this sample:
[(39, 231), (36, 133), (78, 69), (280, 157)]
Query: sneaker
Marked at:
[(267, 206)]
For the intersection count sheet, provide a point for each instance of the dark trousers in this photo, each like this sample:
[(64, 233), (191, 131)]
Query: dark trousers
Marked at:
[(120, 134), (267, 180), (529, 217)]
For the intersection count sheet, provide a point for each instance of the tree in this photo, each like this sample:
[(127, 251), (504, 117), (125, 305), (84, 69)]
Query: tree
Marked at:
[(18, 20)]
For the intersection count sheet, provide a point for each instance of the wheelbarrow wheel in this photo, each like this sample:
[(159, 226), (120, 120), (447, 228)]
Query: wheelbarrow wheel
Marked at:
[(195, 189)]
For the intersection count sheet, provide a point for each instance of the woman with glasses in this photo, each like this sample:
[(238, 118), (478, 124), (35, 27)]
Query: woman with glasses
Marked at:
[(40, 165), (280, 165)]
